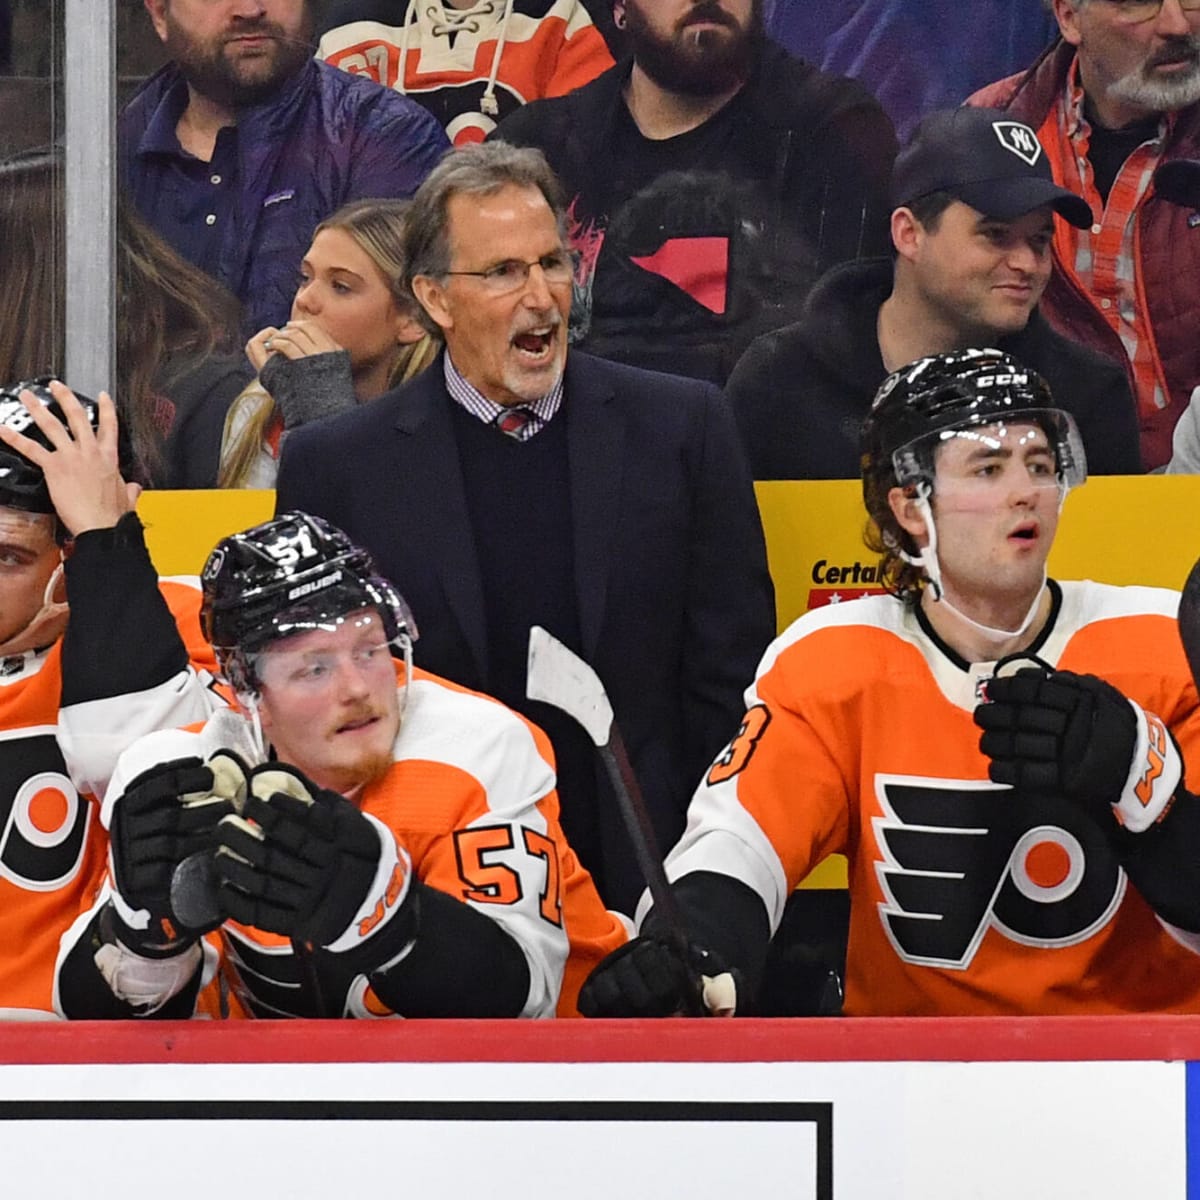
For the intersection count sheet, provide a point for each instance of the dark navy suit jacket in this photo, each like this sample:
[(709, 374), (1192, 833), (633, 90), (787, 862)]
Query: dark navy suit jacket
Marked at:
[(675, 602)]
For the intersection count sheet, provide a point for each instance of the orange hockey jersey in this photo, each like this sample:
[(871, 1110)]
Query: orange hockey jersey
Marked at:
[(52, 848), (966, 896), (469, 67), (471, 797)]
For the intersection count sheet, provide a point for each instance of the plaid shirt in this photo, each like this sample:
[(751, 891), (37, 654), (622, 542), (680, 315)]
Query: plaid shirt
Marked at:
[(1104, 256), (488, 411)]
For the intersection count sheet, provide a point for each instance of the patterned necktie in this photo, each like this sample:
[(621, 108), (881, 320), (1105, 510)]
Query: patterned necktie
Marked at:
[(515, 422)]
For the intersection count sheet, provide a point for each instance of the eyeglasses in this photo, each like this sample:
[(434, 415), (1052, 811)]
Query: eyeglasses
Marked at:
[(1133, 12), (558, 268)]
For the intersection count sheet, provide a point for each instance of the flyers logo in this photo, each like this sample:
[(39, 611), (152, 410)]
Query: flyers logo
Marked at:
[(959, 858), (43, 819)]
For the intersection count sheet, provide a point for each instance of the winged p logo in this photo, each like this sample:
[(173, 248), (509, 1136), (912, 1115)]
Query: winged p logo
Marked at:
[(1018, 139)]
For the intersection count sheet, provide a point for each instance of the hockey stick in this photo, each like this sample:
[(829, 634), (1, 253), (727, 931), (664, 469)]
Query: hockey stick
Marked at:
[(1189, 621), (558, 676)]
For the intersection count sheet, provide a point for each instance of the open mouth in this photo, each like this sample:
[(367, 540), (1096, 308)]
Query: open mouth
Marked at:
[(534, 343), (358, 724), (1024, 533)]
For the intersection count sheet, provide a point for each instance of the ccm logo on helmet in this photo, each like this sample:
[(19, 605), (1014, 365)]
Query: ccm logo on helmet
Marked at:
[(1002, 380)]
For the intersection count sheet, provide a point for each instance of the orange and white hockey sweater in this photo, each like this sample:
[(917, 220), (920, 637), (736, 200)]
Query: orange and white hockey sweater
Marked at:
[(54, 760), (966, 896), (469, 67), (471, 797)]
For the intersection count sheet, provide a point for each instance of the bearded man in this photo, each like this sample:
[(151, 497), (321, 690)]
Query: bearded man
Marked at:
[(712, 179), (238, 147), (1116, 104)]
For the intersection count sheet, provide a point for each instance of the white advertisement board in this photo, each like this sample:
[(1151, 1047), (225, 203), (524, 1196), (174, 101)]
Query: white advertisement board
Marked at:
[(596, 1130)]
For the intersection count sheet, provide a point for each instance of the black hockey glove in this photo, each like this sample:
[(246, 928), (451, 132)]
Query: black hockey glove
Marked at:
[(167, 814), (304, 862), (1076, 736), (649, 978)]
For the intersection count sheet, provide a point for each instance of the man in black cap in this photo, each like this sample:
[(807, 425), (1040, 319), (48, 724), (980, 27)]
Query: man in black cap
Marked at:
[(972, 227)]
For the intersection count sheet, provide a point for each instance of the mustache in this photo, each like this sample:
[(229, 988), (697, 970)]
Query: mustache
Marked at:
[(708, 10), (1180, 48), (553, 319), (359, 714), (262, 27)]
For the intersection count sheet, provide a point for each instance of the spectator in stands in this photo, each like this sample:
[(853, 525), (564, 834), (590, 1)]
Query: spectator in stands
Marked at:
[(1116, 104), (515, 484), (353, 334), (238, 147), (470, 62), (712, 179), (971, 235), (93, 655), (1001, 756), (176, 369)]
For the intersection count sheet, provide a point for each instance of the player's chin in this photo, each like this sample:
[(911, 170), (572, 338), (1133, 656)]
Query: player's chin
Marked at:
[(350, 772)]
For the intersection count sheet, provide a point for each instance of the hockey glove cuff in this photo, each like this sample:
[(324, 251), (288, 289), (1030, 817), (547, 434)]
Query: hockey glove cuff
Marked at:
[(1076, 736)]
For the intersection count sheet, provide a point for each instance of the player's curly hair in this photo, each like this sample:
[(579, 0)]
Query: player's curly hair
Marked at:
[(884, 536)]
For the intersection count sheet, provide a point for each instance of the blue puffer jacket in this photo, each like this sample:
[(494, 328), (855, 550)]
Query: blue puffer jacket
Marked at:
[(325, 138)]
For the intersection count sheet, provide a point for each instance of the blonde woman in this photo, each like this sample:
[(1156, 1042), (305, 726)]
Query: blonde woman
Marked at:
[(353, 334)]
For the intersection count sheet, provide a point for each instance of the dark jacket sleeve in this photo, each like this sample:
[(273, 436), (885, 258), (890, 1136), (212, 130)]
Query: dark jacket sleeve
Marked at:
[(300, 484), (200, 393), (730, 616)]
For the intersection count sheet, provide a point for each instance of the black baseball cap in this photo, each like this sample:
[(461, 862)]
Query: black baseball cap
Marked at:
[(986, 159)]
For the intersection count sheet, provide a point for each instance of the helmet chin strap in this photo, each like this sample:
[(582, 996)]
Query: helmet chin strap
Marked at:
[(406, 648), (928, 561), (48, 622)]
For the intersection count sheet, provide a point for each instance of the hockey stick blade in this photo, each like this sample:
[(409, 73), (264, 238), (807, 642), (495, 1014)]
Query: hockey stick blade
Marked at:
[(1189, 621), (559, 677)]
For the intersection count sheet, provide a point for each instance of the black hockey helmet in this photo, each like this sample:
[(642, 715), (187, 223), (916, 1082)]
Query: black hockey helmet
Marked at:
[(22, 483), (923, 403), (289, 575)]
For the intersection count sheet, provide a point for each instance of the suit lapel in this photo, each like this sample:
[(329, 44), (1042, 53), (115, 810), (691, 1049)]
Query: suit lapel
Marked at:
[(595, 446), (431, 493)]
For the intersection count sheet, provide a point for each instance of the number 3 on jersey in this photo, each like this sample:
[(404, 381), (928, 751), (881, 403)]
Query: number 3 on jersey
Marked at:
[(736, 755)]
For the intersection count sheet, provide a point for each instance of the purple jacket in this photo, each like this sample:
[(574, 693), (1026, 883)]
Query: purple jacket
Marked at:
[(324, 138)]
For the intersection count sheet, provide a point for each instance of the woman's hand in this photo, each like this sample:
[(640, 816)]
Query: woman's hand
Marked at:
[(297, 339)]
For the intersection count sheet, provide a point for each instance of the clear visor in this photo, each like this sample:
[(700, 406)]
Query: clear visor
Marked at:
[(1038, 448), (308, 659)]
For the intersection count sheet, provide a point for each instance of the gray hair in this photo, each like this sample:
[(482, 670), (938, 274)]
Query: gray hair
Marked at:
[(480, 169)]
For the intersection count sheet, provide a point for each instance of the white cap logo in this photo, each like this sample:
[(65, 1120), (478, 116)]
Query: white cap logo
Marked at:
[(1018, 139)]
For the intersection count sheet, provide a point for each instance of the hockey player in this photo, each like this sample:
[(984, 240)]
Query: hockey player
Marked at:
[(371, 839), (73, 692), (1048, 865)]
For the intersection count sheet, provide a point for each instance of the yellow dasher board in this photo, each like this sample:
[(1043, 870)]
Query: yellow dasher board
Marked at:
[(1116, 529)]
